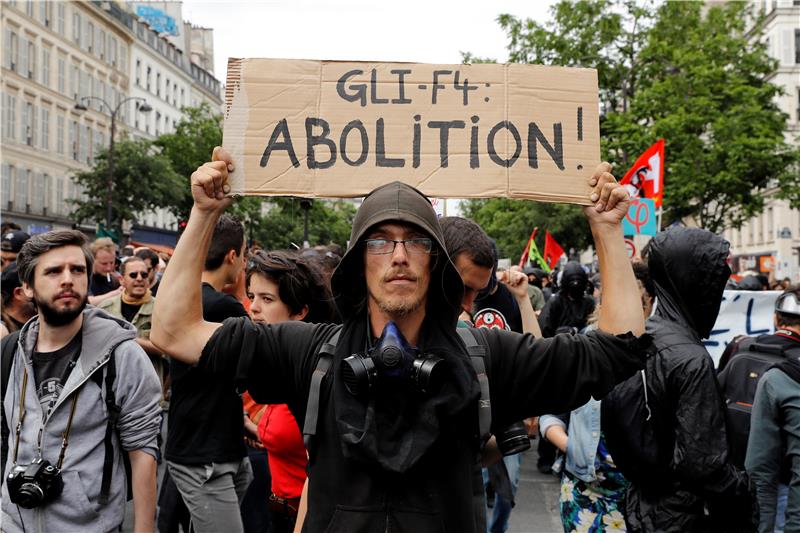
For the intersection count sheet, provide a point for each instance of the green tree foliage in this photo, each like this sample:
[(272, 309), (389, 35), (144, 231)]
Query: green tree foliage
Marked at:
[(510, 223), (189, 146), (704, 87), (143, 180), (328, 222), (697, 78)]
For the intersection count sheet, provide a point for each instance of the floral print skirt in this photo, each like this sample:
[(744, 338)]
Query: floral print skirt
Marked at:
[(596, 506)]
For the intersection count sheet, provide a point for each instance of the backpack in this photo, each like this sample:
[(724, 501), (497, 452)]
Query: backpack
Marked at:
[(9, 348), (636, 432), (738, 382)]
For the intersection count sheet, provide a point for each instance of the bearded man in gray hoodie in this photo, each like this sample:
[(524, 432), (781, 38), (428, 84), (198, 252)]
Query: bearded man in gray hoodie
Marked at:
[(81, 394)]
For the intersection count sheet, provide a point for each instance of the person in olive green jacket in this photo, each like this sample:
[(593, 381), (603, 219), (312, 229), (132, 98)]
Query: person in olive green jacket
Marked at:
[(135, 304)]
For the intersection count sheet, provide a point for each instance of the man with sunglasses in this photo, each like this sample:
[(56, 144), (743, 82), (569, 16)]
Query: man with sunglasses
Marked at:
[(773, 448), (400, 412), (135, 305)]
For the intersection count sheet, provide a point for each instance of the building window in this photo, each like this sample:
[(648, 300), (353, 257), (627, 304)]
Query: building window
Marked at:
[(797, 47), (770, 224), (37, 195), (76, 27), (9, 117), (101, 43), (61, 15), (73, 139), (158, 123), (29, 8), (60, 134), (45, 12), (112, 51), (28, 121), (123, 57), (62, 75), (45, 67), (158, 84), (60, 206), (21, 190), (45, 127), (138, 73), (31, 60), (10, 52), (5, 188), (73, 82)]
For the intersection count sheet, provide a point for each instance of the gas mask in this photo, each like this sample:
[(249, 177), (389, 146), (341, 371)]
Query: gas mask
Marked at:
[(392, 362)]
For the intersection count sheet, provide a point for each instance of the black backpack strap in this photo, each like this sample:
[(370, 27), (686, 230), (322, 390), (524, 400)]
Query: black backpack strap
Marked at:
[(108, 375), (477, 354), (9, 348), (324, 364)]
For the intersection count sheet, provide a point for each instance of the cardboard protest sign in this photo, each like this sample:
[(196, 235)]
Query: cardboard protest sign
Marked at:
[(641, 218), (741, 313), (339, 129)]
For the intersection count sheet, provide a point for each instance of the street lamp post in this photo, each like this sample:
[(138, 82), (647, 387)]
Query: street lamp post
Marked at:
[(144, 107)]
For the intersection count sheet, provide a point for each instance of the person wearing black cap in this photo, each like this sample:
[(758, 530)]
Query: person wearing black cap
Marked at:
[(570, 307), (11, 244), (773, 448), (395, 436), (17, 308)]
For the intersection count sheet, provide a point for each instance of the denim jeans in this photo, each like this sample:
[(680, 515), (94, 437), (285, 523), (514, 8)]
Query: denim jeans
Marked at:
[(497, 522)]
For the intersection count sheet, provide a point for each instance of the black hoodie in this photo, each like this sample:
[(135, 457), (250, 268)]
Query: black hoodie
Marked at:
[(410, 463), (689, 268)]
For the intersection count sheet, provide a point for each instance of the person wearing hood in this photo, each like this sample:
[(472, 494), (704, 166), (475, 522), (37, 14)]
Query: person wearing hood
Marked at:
[(395, 439), (65, 469), (683, 481), (535, 293), (571, 306)]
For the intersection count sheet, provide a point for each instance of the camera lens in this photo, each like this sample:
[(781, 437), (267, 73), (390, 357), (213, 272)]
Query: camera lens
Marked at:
[(30, 495), (514, 439)]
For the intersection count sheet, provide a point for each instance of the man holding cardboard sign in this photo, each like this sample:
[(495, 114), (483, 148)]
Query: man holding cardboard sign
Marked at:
[(400, 409)]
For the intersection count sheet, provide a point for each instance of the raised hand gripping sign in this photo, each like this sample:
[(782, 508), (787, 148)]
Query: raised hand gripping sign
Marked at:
[(339, 129)]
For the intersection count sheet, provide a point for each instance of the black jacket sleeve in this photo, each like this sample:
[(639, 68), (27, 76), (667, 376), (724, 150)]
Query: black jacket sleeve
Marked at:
[(529, 377), (275, 361)]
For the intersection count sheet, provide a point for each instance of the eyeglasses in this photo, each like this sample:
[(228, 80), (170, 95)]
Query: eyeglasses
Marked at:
[(134, 275), (387, 246)]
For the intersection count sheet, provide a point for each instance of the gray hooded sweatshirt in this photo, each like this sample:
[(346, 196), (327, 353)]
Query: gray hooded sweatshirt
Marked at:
[(137, 391)]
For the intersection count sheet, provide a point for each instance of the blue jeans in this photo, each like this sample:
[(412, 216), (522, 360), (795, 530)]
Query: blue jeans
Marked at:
[(498, 521), (780, 509)]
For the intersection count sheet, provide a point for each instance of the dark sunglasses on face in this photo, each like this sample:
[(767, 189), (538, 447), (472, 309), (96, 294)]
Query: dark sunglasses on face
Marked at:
[(134, 275)]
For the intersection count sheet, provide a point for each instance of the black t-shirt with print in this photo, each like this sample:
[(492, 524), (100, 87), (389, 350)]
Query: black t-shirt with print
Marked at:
[(50, 370), (499, 310)]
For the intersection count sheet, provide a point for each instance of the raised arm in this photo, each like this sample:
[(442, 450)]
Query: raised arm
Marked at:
[(178, 326), (621, 311)]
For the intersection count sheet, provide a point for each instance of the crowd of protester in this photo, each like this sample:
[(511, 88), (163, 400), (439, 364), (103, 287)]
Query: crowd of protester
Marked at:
[(233, 464)]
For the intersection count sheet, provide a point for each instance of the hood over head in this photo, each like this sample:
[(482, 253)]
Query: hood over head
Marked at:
[(689, 267), (396, 202), (574, 279)]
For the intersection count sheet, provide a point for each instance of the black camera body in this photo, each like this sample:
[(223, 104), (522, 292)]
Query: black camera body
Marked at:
[(34, 484), (395, 362)]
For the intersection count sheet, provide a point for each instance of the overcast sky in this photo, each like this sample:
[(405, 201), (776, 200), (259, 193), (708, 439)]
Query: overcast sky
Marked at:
[(428, 31)]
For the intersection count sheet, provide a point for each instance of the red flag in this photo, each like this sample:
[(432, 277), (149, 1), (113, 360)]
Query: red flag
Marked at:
[(525, 257), (645, 178), (552, 250)]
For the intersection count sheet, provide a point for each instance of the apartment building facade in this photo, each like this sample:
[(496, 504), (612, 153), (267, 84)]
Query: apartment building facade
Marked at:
[(55, 54)]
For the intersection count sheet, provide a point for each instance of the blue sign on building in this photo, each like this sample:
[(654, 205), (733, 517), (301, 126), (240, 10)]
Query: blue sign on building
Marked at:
[(157, 19)]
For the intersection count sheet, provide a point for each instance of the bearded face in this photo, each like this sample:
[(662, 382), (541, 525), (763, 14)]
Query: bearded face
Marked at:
[(60, 285)]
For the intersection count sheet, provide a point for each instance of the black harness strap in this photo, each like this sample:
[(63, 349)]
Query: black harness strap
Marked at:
[(477, 354), (324, 364)]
